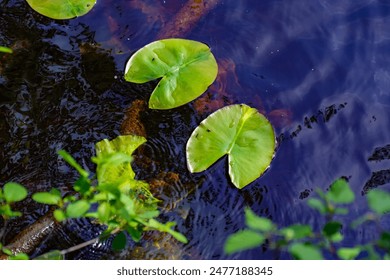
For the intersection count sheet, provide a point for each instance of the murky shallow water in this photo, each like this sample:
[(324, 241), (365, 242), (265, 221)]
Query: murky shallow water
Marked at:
[(318, 69)]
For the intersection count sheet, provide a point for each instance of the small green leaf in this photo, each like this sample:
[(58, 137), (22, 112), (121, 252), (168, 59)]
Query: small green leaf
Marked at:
[(178, 236), (60, 9), (154, 224), (19, 256), (7, 251), (104, 212), (119, 242), (82, 185), (340, 192), (72, 162), (341, 211), (332, 231), (379, 201), (59, 215), (135, 233), (243, 240), (77, 209), (46, 198), (384, 241), (238, 131), (14, 192), (257, 223), (124, 146), (5, 50), (7, 212), (185, 69), (348, 253), (317, 204), (302, 251), (297, 231), (52, 255)]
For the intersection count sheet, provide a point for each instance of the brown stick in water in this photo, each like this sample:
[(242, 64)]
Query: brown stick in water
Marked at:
[(186, 19)]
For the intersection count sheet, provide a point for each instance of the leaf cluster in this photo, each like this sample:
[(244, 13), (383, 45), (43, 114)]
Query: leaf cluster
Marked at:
[(302, 242), (113, 197)]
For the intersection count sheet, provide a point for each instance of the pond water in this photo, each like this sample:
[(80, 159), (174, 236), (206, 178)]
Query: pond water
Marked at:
[(318, 69)]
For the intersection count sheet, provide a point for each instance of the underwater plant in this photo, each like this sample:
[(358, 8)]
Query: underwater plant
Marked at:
[(238, 131), (59, 9), (185, 69)]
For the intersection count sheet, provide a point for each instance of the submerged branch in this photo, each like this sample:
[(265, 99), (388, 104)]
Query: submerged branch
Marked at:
[(32, 236), (187, 18)]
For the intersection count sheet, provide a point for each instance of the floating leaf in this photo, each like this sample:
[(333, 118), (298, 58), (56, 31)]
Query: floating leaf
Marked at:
[(14, 192), (379, 201), (340, 192), (239, 131), (302, 251), (60, 9), (186, 69)]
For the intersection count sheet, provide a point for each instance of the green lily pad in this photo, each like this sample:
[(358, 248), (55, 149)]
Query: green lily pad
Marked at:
[(186, 69), (238, 131), (60, 9)]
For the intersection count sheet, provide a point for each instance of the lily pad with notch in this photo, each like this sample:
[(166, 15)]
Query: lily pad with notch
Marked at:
[(186, 68), (238, 131), (60, 9)]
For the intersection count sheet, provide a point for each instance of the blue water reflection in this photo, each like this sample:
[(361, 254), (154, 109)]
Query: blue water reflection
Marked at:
[(319, 69)]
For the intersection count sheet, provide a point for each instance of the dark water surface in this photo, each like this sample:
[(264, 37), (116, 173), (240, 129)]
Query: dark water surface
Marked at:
[(318, 69)]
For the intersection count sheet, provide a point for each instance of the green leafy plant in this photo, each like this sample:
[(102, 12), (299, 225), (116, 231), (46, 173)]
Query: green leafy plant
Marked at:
[(5, 50), (302, 242), (120, 202), (9, 194), (60, 9), (185, 69), (238, 131), (113, 197)]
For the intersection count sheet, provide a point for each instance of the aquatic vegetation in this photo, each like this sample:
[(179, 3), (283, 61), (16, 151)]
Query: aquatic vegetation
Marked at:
[(238, 131), (302, 242), (9, 194), (5, 50), (185, 69), (59, 9), (113, 197)]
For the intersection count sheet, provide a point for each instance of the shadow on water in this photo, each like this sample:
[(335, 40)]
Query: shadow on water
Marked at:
[(319, 70)]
